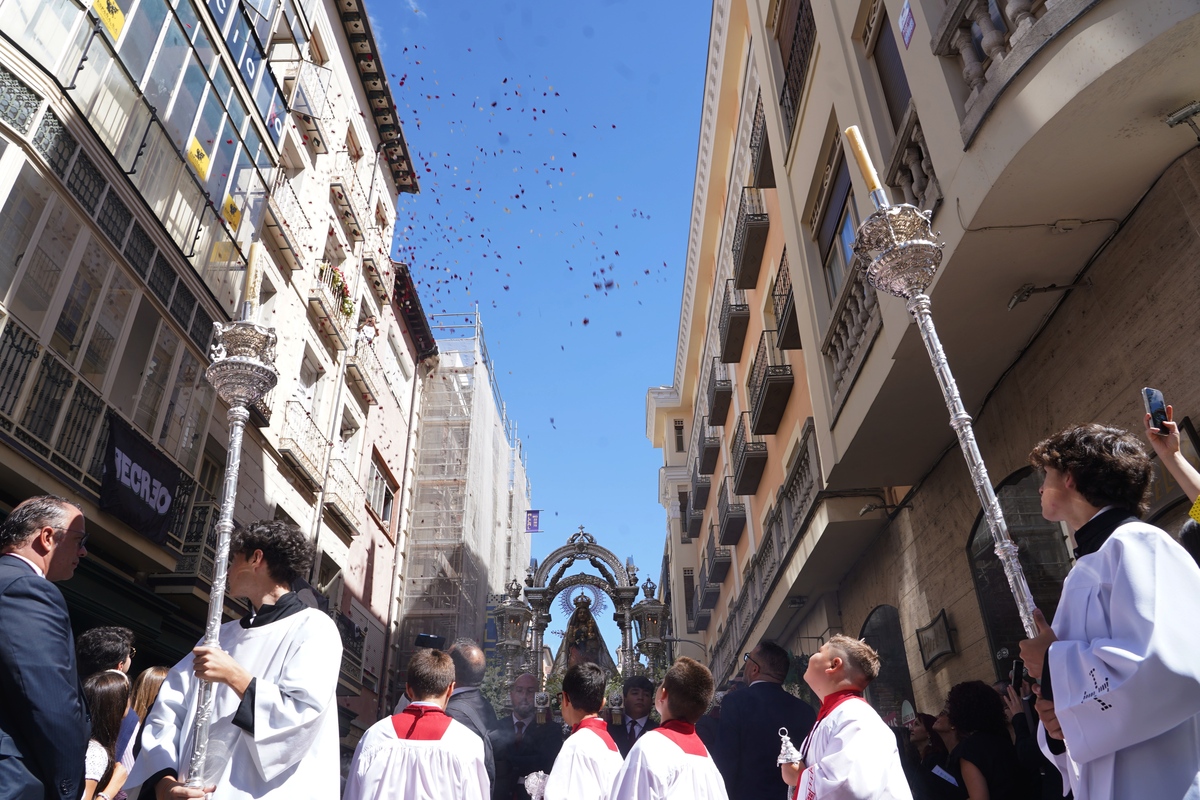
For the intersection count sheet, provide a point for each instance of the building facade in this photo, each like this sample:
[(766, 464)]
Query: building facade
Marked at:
[(150, 150), (467, 536), (1065, 200)]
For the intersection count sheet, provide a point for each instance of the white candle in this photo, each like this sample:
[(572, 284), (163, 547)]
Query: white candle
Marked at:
[(859, 149)]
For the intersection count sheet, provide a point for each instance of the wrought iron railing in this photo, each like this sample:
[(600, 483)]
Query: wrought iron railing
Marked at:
[(799, 55), (302, 442), (732, 304), (752, 210), (365, 368), (727, 504), (344, 494), (760, 153), (291, 217), (331, 301), (781, 294), (768, 362), (353, 645), (720, 391)]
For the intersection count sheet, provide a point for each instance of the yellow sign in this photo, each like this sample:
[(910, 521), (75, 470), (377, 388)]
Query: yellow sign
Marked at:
[(111, 15), (197, 156), (231, 212)]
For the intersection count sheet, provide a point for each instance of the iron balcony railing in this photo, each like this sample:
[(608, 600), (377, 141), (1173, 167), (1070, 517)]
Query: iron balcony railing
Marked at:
[(708, 441), (301, 443), (731, 513), (720, 392), (749, 457), (701, 616), (364, 370), (799, 56), (348, 195), (750, 238), (735, 319), (329, 297), (343, 496), (289, 216), (763, 172), (719, 557), (784, 302), (701, 485), (710, 591), (353, 641), (770, 386)]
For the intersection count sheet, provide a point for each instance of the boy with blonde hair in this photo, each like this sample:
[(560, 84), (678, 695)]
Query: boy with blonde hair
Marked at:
[(850, 753)]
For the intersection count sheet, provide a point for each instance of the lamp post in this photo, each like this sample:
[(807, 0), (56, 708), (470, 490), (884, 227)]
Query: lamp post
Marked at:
[(513, 617), (896, 248), (647, 618), (242, 371)]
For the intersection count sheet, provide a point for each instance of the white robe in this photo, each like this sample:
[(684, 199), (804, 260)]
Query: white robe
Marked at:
[(658, 769), (584, 769), (852, 756), (293, 752), (1126, 670), (386, 767)]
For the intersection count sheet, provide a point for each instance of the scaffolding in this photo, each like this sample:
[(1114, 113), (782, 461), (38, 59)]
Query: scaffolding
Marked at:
[(467, 537)]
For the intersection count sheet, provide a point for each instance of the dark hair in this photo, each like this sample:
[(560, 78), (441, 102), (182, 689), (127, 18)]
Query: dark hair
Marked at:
[(584, 684), (637, 682), (145, 690), (288, 552), (909, 757), (1189, 537), (773, 659), (469, 662), (31, 516), (935, 739), (430, 673), (689, 687), (107, 696), (102, 648), (1109, 466), (974, 707)]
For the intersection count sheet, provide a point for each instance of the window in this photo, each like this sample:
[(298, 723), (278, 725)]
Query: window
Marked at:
[(835, 234), (689, 591), (886, 56), (308, 389), (891, 693), (381, 493), (1043, 555), (679, 444), (20, 216)]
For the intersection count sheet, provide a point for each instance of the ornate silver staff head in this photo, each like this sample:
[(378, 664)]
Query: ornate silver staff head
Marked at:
[(897, 250)]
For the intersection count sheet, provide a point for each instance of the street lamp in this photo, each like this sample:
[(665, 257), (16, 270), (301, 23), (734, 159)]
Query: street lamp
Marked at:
[(512, 622), (896, 248), (647, 619)]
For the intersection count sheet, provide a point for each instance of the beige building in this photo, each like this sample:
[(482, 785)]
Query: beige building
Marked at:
[(1038, 135), (150, 149)]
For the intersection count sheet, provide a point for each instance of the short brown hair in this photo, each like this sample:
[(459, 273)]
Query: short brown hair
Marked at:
[(1109, 466), (689, 687), (430, 673), (861, 659)]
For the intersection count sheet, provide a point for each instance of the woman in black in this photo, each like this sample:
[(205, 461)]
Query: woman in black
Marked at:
[(983, 762)]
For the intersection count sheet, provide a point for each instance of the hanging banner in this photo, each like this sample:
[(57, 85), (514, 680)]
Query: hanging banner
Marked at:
[(139, 483), (532, 519)]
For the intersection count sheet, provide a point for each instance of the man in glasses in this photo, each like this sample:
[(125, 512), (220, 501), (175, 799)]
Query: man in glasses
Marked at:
[(44, 726), (748, 735)]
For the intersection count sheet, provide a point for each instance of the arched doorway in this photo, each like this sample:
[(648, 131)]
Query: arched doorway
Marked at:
[(1044, 558), (891, 693)]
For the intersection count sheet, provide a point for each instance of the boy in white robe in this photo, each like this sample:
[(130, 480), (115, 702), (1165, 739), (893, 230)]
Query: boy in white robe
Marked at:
[(420, 753), (850, 754), (1119, 671), (274, 730), (670, 762), (589, 759)]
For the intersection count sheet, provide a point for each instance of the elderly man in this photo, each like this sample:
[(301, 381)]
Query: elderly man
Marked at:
[(521, 744), (44, 726), (748, 736)]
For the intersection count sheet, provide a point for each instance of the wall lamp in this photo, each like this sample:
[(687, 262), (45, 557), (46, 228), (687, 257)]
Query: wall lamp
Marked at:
[(1186, 116)]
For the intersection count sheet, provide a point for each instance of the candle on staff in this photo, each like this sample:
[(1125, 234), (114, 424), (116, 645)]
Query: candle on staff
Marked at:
[(859, 149), (251, 286)]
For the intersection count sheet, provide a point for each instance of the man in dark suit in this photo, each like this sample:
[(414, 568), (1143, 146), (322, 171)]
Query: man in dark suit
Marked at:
[(467, 703), (638, 700), (44, 727), (748, 735), (522, 745)]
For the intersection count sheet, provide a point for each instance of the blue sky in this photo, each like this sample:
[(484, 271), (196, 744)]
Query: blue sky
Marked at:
[(556, 149)]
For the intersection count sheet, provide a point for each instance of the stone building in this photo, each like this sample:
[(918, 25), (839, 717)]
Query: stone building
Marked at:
[(1042, 137), (149, 150)]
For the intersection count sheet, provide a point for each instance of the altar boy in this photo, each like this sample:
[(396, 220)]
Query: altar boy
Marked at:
[(589, 759)]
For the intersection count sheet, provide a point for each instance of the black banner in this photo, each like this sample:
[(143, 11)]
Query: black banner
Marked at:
[(140, 483)]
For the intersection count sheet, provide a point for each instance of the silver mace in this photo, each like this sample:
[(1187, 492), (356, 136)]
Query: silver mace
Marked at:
[(895, 247), (242, 371)]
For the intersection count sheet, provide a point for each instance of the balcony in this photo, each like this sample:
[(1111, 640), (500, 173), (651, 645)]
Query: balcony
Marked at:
[(695, 522), (749, 458), (260, 411), (910, 168), (856, 323), (731, 514), (735, 319), (701, 616), (719, 558), (329, 299), (701, 484), (290, 224), (761, 170), (347, 196), (709, 592), (307, 87), (709, 447), (720, 392), (365, 374), (377, 261), (771, 384), (784, 303), (800, 53), (353, 639), (198, 550), (302, 444), (344, 498), (750, 238)]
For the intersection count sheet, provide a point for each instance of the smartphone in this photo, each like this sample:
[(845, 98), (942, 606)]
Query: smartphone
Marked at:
[(430, 640), (1018, 674), (1156, 407)]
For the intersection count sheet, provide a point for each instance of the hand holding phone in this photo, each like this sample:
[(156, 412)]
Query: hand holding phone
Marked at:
[(1156, 407)]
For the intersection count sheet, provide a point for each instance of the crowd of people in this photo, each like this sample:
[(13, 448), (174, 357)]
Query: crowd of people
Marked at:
[(1107, 704)]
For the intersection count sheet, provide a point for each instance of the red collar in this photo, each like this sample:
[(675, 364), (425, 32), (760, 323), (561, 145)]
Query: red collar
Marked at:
[(421, 723), (597, 726), (834, 700), (683, 734)]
